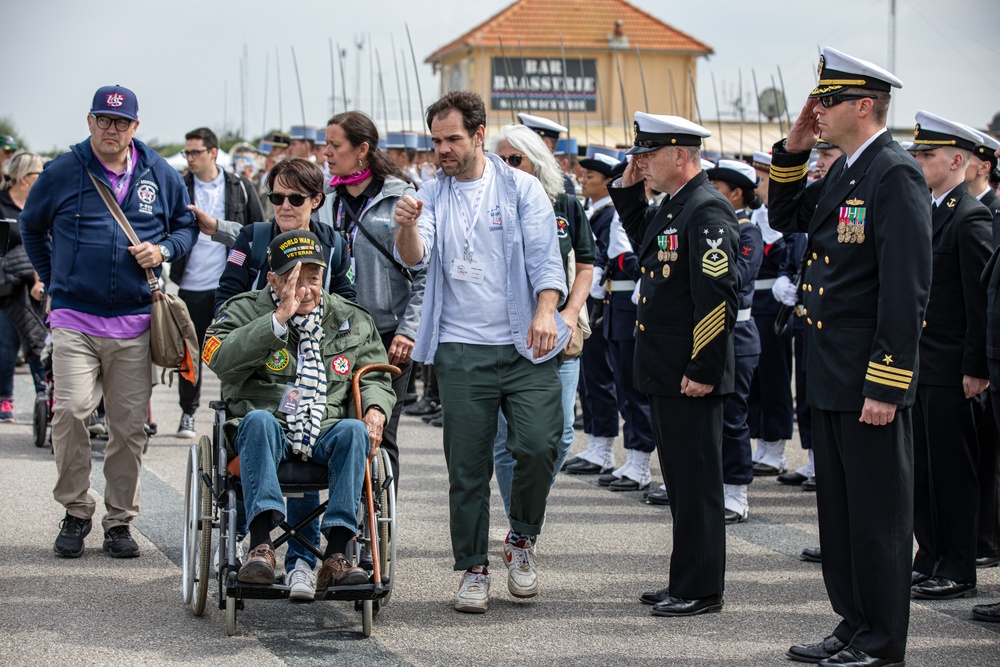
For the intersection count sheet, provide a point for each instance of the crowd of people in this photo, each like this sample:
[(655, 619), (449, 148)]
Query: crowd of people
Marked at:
[(653, 292)]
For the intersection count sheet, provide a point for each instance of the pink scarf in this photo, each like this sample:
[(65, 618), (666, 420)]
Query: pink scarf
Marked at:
[(353, 179)]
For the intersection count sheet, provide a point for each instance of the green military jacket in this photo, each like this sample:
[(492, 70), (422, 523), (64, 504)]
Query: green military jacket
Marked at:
[(255, 366)]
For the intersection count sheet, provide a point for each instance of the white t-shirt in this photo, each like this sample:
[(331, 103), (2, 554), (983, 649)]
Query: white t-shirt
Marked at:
[(471, 313), (207, 258)]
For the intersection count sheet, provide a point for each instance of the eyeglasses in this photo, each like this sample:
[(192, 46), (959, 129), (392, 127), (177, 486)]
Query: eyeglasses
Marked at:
[(104, 122), (278, 199), (195, 153), (513, 160), (834, 100)]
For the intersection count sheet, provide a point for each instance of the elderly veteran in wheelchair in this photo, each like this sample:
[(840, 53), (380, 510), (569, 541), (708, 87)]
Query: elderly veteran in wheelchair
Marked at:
[(285, 355)]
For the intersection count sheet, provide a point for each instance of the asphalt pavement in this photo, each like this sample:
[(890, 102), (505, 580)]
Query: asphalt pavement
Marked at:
[(597, 552)]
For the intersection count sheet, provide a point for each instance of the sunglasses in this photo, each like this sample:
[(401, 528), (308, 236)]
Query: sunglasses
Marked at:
[(278, 199), (195, 153), (513, 160), (834, 100)]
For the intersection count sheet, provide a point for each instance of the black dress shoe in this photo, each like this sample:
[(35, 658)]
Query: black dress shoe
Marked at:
[(626, 484), (424, 406), (658, 497), (735, 517), (582, 467), (656, 596), (438, 420), (809, 484), (988, 561), (605, 480), (939, 588), (764, 470), (811, 555), (791, 478), (987, 612), (918, 578), (569, 462), (855, 657), (680, 607), (430, 416), (578, 423), (827, 648)]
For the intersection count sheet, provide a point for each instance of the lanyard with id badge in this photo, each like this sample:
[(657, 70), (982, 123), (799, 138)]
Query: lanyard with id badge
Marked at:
[(467, 269)]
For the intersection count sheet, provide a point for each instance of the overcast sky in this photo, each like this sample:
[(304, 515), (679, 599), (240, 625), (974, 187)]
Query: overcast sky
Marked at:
[(182, 57)]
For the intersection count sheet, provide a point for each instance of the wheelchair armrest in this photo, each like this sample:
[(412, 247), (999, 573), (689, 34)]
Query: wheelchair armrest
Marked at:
[(217, 405)]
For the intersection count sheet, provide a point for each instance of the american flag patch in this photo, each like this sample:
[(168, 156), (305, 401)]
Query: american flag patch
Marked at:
[(236, 257)]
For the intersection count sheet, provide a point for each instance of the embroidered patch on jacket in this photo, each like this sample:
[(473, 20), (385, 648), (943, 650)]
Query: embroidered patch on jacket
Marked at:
[(709, 328), (211, 345), (278, 361), (715, 262), (341, 365), (236, 257)]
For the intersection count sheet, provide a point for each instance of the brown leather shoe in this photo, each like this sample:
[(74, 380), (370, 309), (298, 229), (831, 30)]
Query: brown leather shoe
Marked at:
[(259, 568), (338, 570)]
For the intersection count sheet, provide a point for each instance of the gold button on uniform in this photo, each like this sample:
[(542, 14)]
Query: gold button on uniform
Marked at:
[(644, 299), (827, 259), (819, 325), (821, 291), (809, 320), (815, 256), (809, 263), (642, 327)]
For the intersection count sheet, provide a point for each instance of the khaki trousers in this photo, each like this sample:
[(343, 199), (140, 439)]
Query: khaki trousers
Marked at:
[(84, 367)]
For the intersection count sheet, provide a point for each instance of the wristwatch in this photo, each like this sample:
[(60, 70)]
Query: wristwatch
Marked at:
[(165, 251)]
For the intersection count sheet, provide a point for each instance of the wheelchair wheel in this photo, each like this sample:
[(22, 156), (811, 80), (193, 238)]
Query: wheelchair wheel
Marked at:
[(205, 556), (192, 524), (40, 422), (387, 525), (231, 616), (367, 614)]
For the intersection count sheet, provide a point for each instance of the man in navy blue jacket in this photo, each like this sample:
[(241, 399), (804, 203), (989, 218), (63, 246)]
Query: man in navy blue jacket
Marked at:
[(100, 305)]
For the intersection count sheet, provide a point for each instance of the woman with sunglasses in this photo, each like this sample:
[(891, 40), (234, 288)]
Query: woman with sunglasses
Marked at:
[(521, 148), (296, 191)]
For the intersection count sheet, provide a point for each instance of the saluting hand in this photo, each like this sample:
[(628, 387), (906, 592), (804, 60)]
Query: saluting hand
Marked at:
[(407, 211), (289, 292), (805, 131), (633, 174)]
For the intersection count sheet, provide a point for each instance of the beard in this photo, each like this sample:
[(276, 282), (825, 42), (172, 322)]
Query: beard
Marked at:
[(464, 162)]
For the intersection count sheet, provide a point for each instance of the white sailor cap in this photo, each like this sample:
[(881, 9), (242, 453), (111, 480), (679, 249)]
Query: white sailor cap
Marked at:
[(761, 161), (838, 71), (736, 173), (987, 148), (934, 132), (543, 126), (601, 163), (706, 164), (654, 132)]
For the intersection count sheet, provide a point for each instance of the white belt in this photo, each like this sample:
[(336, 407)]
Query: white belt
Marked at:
[(743, 315), (622, 285), (763, 284)]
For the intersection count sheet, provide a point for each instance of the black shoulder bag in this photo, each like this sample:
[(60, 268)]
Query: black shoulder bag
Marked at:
[(371, 239)]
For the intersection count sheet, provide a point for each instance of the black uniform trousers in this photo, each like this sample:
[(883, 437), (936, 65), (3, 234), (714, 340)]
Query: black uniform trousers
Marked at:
[(803, 413), (945, 491), (689, 443), (770, 401), (633, 404), (399, 384), (598, 395), (737, 462), (988, 471), (864, 482), (201, 307)]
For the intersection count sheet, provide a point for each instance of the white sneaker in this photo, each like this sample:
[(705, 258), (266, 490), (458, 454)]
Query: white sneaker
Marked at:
[(473, 596), (301, 582), (522, 580)]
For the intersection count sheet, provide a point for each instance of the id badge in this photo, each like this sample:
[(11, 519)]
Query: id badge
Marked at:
[(290, 399), (468, 271)]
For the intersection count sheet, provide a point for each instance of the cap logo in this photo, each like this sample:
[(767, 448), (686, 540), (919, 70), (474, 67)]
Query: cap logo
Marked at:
[(115, 99), (916, 130), (822, 63)]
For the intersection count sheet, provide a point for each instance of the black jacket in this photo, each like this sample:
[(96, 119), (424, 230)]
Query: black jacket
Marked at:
[(864, 296), (953, 342), (242, 206), (686, 317), (746, 338)]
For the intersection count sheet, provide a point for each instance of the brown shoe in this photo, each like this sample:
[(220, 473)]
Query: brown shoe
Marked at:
[(259, 568), (339, 570)]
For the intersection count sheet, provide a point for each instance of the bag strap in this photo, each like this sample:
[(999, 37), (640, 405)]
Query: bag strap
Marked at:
[(371, 239), (119, 216), (258, 249)]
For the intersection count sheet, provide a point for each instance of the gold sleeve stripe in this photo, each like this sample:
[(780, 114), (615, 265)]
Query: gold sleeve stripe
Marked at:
[(889, 383), (889, 370), (788, 170), (889, 376), (797, 176), (709, 328)]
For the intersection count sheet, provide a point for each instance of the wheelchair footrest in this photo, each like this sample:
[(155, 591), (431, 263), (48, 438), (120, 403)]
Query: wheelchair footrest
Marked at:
[(279, 592)]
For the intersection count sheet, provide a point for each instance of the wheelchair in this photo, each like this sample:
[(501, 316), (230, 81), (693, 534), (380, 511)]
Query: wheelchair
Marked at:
[(212, 491)]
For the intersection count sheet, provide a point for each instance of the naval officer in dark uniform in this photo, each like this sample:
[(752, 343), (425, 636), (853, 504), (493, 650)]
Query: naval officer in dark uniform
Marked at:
[(737, 181), (865, 291), (981, 175), (951, 387), (684, 344)]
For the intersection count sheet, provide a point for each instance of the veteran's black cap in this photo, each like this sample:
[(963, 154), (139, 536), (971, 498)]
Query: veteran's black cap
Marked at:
[(295, 246)]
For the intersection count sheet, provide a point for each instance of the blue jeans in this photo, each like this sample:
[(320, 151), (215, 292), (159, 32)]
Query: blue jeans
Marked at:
[(503, 462), (343, 447), (9, 345)]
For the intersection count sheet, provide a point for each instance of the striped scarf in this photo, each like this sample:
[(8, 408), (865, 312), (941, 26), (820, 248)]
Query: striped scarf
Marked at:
[(310, 377)]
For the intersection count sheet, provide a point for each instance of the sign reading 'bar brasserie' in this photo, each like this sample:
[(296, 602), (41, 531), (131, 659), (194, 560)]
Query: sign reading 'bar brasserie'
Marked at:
[(540, 84)]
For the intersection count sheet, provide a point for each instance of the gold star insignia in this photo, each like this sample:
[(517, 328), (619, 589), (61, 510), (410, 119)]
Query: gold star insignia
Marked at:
[(887, 360)]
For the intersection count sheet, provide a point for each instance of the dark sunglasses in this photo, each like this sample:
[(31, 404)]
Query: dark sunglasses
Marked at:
[(278, 199), (513, 160), (834, 100)]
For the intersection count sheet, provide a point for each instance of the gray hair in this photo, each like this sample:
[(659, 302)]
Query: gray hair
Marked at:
[(22, 164), (525, 140)]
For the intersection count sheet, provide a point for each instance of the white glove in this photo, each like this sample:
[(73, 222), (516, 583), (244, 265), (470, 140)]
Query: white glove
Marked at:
[(596, 286), (635, 294), (618, 243), (784, 291)]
